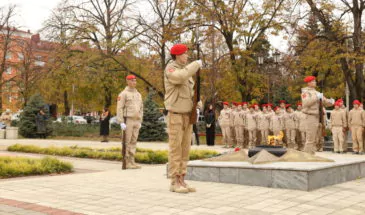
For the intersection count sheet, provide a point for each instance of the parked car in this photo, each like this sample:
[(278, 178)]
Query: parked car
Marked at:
[(76, 120), (58, 120), (113, 120), (15, 117), (161, 119), (91, 120), (328, 118)]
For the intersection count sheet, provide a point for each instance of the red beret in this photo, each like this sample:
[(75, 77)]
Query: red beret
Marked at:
[(337, 103), (239, 103), (269, 104), (244, 103), (264, 105), (178, 49), (282, 101), (309, 79), (299, 103), (225, 103), (255, 105), (276, 108), (356, 102), (288, 106), (130, 77), (339, 100)]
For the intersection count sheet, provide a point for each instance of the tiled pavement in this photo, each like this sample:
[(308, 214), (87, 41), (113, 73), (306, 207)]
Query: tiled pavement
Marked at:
[(109, 190)]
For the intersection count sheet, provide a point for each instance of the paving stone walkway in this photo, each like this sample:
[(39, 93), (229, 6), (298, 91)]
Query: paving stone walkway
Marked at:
[(103, 188)]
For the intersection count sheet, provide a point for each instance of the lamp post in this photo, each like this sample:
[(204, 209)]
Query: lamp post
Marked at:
[(276, 59)]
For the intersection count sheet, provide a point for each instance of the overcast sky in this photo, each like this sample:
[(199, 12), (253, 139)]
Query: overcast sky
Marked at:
[(32, 13)]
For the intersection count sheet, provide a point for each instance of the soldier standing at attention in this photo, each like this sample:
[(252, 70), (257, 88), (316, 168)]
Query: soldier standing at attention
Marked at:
[(238, 123), (231, 123), (130, 106), (300, 126), (224, 122), (251, 126), (258, 134), (276, 123), (245, 132), (344, 109), (179, 94), (263, 122), (356, 123), (290, 129), (310, 101), (338, 126)]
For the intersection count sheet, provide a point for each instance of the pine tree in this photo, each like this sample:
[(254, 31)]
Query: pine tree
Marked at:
[(27, 123), (152, 129)]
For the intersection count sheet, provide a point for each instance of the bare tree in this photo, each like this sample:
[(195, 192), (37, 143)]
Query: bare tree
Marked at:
[(29, 69), (7, 28), (106, 24)]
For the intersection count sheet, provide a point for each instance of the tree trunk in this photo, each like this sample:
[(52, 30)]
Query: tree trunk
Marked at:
[(107, 96), (66, 104)]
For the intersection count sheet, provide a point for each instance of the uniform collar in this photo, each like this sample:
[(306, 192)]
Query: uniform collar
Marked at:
[(179, 64), (130, 89)]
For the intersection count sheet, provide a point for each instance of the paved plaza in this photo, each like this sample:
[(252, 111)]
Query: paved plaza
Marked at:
[(101, 187)]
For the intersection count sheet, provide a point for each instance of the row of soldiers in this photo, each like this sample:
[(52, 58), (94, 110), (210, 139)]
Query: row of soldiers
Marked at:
[(341, 121), (247, 125)]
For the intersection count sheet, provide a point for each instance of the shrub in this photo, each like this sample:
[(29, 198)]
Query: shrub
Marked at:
[(16, 166), (27, 122), (146, 156), (152, 129)]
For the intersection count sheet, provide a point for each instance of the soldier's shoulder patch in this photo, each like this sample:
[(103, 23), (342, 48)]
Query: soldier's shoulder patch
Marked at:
[(304, 95), (119, 98), (171, 69)]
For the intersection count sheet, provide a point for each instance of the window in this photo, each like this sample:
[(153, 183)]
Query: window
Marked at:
[(8, 70), (20, 56), (8, 55), (39, 63)]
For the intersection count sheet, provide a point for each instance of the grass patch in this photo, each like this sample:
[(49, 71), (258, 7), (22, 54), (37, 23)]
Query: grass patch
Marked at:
[(17, 166), (146, 156)]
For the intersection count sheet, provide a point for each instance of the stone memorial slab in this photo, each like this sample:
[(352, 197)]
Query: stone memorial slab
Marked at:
[(304, 176)]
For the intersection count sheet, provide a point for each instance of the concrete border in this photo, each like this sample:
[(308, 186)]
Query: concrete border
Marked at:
[(304, 176)]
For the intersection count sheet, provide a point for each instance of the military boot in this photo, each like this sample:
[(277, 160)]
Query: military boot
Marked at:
[(130, 164), (134, 163), (176, 186), (182, 182)]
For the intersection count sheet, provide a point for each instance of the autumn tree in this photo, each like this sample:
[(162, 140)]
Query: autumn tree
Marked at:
[(241, 23), (351, 57)]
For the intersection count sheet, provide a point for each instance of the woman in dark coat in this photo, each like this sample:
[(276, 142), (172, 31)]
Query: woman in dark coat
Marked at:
[(41, 123), (104, 124), (209, 117)]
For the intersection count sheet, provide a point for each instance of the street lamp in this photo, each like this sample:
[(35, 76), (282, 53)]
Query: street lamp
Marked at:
[(260, 60), (276, 57)]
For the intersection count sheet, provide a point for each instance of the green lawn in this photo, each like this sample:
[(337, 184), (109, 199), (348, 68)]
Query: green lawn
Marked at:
[(18, 166)]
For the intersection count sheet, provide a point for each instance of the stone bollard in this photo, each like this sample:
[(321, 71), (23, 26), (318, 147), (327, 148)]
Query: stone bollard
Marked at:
[(11, 133), (2, 133)]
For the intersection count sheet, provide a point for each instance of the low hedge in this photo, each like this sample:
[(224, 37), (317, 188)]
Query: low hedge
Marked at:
[(146, 156), (17, 166)]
